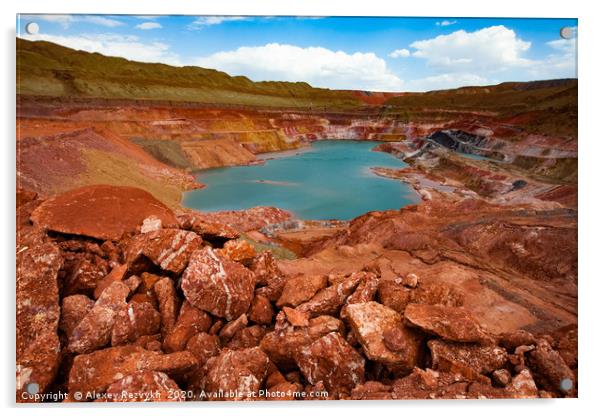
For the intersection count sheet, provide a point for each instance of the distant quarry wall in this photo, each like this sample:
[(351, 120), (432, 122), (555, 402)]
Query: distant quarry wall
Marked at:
[(199, 137)]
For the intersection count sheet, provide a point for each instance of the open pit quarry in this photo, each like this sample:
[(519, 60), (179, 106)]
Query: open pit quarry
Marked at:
[(470, 293)]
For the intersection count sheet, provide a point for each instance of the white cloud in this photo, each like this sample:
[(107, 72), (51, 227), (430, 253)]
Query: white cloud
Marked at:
[(561, 63), (399, 53), (488, 55), (103, 21), (565, 46), (318, 66), (65, 20), (203, 21), (125, 46), (446, 22), (447, 81), (149, 25), (494, 48)]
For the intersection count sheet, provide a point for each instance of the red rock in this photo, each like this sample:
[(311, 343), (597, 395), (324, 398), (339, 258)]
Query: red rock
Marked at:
[(332, 361), (274, 378), (23, 196), (134, 321), (370, 321), (219, 286), (83, 274), (567, 344), (190, 321), (145, 290), (501, 377), (248, 337), (394, 338), (37, 305), (450, 323), (112, 253), (241, 372), (238, 250), (268, 275), (202, 346), (394, 295), (261, 310), (149, 342), (371, 390), (300, 289), (150, 224), (94, 330), (115, 275), (218, 324), (144, 386), (550, 370), (318, 392), (282, 391), (248, 219), (110, 211), (293, 376), (95, 372), (437, 293), (410, 280), (81, 245), (73, 310), (469, 360), (144, 298), (329, 300), (324, 324), (336, 278), (296, 317), (282, 346), (515, 339), (168, 304), (232, 327), (366, 290), (522, 387), (196, 222), (133, 282), (169, 249), (397, 295), (429, 384), (26, 203)]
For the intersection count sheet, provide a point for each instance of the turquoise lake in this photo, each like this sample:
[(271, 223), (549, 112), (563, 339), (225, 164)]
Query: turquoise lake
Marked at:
[(329, 180)]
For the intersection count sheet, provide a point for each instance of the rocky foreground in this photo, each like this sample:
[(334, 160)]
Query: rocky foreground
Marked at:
[(120, 298)]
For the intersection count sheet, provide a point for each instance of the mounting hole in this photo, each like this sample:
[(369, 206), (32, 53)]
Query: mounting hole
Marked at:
[(32, 388), (566, 384), (567, 32), (32, 28)]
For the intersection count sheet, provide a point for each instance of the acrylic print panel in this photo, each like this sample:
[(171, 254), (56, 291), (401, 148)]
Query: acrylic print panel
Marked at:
[(293, 208)]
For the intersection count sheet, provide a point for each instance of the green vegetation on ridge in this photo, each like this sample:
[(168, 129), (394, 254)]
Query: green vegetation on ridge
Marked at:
[(47, 69), (548, 107)]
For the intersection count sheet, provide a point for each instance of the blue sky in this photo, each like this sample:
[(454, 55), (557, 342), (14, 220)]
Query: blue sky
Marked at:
[(371, 53)]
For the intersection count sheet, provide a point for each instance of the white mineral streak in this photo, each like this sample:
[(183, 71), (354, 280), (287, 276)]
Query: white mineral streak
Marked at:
[(131, 314), (221, 274), (150, 224), (167, 256), (23, 376)]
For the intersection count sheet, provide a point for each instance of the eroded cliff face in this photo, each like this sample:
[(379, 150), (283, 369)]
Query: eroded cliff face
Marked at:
[(197, 136), (50, 163)]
